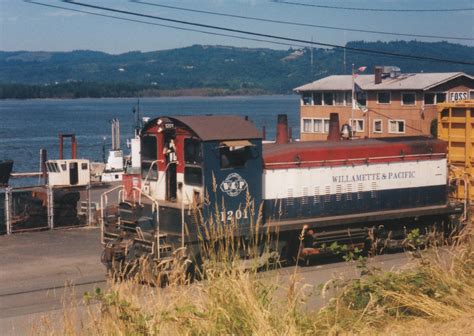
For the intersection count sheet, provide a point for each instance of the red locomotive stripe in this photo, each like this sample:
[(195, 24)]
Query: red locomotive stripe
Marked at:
[(356, 152)]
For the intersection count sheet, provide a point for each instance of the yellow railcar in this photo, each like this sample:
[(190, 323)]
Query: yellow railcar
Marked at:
[(456, 127)]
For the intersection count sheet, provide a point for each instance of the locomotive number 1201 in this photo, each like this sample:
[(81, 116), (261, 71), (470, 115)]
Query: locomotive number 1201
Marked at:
[(231, 215)]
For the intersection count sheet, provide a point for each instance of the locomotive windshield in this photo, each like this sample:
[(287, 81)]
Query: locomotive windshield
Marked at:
[(193, 161), (149, 157), (235, 154)]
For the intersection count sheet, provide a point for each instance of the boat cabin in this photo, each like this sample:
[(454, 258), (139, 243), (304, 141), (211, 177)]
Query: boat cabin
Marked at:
[(72, 172)]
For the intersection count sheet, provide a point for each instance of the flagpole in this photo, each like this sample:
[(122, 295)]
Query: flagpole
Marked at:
[(352, 105)]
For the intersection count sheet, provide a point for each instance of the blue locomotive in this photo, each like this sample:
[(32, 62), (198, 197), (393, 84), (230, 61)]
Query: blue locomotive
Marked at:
[(198, 171)]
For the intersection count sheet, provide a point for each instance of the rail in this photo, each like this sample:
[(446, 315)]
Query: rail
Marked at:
[(153, 163), (103, 202), (157, 218)]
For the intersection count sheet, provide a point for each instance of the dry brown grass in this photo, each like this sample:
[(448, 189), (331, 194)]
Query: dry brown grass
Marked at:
[(435, 297)]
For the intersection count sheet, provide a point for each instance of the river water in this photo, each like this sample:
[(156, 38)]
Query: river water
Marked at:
[(26, 126)]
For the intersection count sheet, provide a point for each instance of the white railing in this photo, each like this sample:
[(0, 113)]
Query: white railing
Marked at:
[(103, 204)]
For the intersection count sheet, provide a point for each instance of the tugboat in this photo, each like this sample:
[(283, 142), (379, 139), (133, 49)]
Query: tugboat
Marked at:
[(6, 167)]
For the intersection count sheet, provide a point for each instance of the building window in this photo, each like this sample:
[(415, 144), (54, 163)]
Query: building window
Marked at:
[(383, 97), (348, 98), (377, 126), (433, 98), (409, 98), (339, 98), (429, 98), (357, 124), (440, 97), (396, 126), (321, 125), (307, 98), (328, 98), (307, 125), (317, 98)]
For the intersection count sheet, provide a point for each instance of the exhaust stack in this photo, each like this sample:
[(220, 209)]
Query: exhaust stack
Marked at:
[(334, 134), (282, 129)]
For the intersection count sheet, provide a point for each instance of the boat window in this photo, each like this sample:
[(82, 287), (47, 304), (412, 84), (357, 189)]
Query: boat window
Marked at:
[(63, 167), (193, 176), (84, 166), (192, 151), (52, 167)]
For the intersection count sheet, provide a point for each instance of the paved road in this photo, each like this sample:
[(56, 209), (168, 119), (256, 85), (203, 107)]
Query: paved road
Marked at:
[(34, 267)]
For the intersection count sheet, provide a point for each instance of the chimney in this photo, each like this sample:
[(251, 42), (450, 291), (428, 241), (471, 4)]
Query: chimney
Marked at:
[(282, 129), (334, 134), (378, 74)]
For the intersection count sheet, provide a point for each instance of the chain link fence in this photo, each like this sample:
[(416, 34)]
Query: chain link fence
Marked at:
[(37, 208)]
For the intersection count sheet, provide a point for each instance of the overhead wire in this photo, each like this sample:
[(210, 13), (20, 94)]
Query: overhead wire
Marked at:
[(431, 10), (300, 24), (163, 25), (185, 29), (288, 39)]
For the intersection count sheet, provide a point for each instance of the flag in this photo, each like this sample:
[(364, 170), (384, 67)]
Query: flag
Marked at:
[(358, 106), (359, 69)]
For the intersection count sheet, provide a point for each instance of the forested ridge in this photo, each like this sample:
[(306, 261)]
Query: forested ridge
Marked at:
[(203, 70)]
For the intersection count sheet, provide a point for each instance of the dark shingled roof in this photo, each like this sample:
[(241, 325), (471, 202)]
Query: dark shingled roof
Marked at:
[(219, 127)]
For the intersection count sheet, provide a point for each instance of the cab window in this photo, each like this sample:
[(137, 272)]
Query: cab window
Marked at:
[(231, 157)]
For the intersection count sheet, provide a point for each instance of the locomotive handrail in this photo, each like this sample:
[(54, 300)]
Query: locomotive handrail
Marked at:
[(149, 170), (356, 159), (157, 207), (103, 201)]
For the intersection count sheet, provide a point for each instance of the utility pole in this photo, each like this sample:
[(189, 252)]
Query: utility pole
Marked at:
[(344, 61), (312, 48), (353, 103)]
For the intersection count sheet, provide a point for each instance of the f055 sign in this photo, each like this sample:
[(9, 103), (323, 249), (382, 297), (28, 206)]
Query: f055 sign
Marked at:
[(455, 96)]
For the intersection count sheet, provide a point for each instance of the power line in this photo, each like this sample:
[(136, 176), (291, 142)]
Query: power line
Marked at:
[(414, 57), (301, 24), (163, 25), (186, 29), (373, 9)]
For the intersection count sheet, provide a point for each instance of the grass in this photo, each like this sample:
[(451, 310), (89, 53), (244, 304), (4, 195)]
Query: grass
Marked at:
[(434, 297)]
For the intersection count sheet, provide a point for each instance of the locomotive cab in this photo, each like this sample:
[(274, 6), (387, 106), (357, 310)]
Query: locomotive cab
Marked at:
[(200, 164)]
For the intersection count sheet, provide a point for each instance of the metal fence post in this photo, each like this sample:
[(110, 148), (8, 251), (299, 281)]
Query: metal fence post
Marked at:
[(50, 207), (8, 209), (89, 205)]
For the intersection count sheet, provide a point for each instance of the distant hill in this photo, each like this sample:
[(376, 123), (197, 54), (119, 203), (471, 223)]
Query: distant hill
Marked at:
[(202, 69)]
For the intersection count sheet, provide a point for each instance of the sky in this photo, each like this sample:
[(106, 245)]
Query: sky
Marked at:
[(27, 26)]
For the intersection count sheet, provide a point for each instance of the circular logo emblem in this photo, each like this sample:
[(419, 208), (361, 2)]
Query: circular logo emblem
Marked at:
[(233, 185)]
